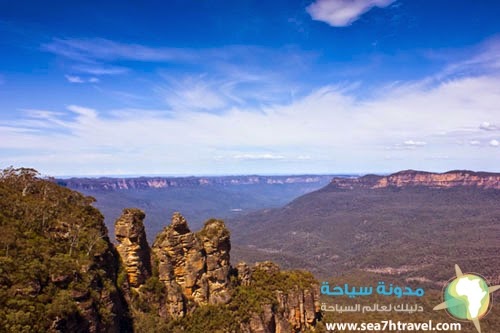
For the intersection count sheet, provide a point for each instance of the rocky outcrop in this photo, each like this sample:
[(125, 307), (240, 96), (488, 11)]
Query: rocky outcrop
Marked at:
[(193, 270), (214, 238), (194, 267), (411, 178), (133, 246), (244, 273), (296, 309)]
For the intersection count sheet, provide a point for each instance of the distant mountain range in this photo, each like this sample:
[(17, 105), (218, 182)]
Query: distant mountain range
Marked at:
[(141, 183), (199, 198), (411, 178), (411, 223)]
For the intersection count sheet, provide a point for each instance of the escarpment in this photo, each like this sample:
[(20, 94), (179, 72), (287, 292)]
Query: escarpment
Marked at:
[(412, 178)]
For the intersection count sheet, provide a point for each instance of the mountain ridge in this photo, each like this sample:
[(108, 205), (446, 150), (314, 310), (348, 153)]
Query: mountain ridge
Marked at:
[(380, 223), (117, 183), (410, 177)]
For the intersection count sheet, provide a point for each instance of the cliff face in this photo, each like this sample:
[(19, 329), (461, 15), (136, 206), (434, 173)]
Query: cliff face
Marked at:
[(411, 178)]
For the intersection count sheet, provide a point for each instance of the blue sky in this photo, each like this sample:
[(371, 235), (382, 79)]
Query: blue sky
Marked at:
[(249, 87)]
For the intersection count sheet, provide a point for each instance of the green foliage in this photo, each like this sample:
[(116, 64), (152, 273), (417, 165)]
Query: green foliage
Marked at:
[(209, 318), (213, 229), (50, 244), (145, 304), (246, 302), (332, 231), (263, 288)]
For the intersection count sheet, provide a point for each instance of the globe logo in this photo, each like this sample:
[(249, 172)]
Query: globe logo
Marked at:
[(467, 297)]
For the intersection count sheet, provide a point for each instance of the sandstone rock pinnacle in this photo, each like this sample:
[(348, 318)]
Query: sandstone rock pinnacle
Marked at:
[(133, 246)]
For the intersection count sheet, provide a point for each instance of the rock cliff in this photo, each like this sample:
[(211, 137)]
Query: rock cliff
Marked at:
[(411, 178)]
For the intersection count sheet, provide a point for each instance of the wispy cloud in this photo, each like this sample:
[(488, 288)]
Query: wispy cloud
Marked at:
[(79, 79), (192, 93), (95, 49), (247, 120), (264, 156), (325, 125), (98, 56), (74, 79), (99, 69), (341, 13), (413, 143)]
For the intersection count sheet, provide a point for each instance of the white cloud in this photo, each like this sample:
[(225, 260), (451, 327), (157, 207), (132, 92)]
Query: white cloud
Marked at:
[(193, 93), (331, 126), (341, 13), (485, 60), (414, 143), (92, 49), (494, 143), (265, 156), (100, 69), (84, 114), (488, 126), (79, 79), (74, 79)]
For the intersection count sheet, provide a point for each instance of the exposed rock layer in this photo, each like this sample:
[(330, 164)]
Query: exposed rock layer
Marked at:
[(410, 178)]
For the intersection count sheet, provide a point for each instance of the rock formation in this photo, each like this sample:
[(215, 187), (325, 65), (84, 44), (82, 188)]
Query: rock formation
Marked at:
[(409, 178), (297, 308), (193, 266), (193, 270), (133, 246)]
